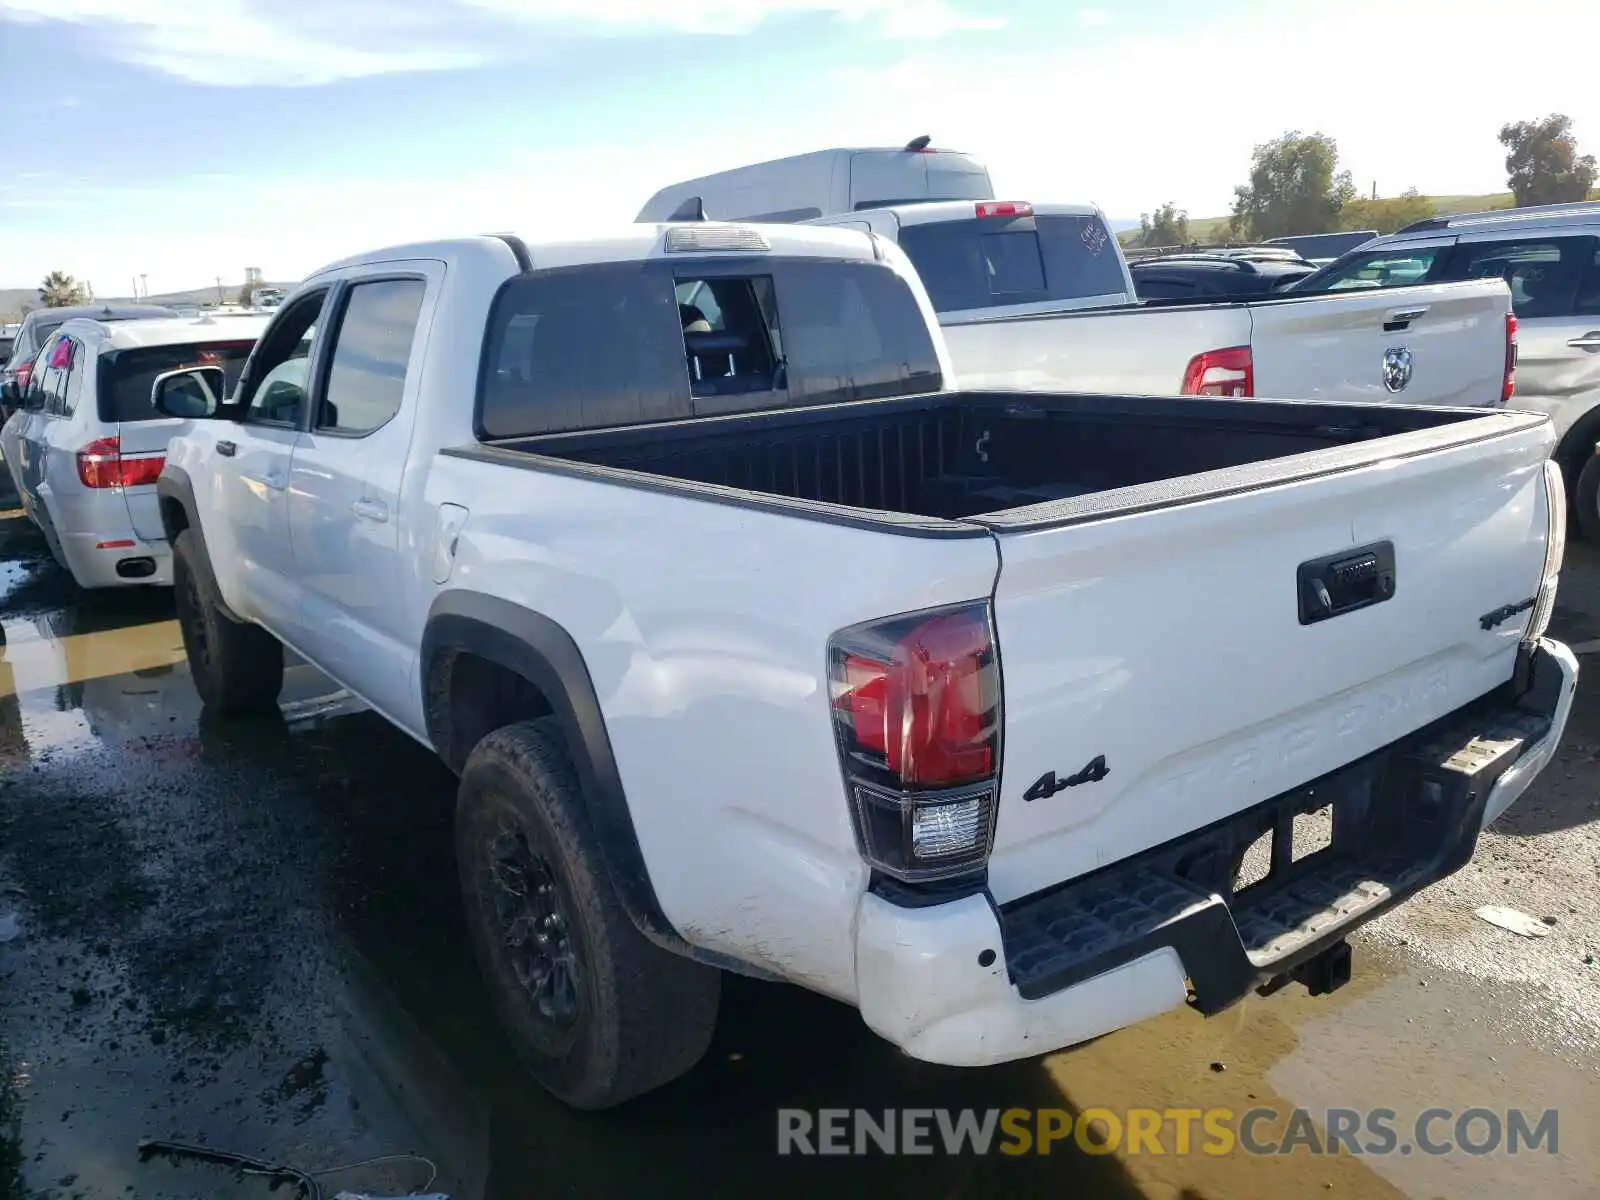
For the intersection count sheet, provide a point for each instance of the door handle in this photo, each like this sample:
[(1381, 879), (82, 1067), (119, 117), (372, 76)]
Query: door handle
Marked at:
[(227, 449), (371, 510), (1589, 341), (1401, 317), (276, 482)]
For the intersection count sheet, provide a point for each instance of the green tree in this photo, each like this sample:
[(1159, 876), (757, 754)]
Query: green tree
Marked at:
[(60, 290), (1293, 188), (247, 295), (1543, 165), (1386, 215), (1167, 226)]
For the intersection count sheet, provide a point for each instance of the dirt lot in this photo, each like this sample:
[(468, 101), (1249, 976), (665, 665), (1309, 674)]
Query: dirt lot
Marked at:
[(249, 936)]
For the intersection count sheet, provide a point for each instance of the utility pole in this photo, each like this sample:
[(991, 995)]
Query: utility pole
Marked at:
[(135, 287), (144, 293), (219, 289), (1374, 189)]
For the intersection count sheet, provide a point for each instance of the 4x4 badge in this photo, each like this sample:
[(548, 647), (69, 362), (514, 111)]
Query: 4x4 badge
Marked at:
[(1048, 785)]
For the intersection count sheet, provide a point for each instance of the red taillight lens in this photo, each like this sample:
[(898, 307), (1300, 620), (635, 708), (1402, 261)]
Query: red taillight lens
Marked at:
[(1005, 208), (1508, 384), (1229, 372), (916, 704), (24, 374), (101, 465)]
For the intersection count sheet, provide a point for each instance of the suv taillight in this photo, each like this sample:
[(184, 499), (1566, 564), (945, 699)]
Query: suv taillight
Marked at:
[(24, 373), (101, 465), (1508, 384), (1229, 372), (916, 705)]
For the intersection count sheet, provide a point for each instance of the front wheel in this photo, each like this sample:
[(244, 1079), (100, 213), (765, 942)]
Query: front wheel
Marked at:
[(237, 668), (597, 1012), (1586, 500)]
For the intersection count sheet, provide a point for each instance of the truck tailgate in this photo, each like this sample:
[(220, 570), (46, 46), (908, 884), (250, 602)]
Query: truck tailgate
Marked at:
[(1168, 646), (1441, 343)]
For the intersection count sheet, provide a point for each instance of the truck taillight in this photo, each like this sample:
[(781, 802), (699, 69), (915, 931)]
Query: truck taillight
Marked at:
[(916, 705), (1229, 372), (101, 465), (1508, 384), (1004, 208), (1555, 551)]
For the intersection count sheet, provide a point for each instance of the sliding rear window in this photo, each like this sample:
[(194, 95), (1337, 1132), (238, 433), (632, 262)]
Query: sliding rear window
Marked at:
[(984, 262), (627, 344), (126, 376)]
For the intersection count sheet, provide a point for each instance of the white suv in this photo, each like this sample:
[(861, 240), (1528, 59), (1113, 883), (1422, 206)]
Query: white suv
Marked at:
[(85, 448)]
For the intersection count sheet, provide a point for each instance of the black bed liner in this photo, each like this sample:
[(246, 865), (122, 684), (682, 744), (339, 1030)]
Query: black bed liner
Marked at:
[(967, 463)]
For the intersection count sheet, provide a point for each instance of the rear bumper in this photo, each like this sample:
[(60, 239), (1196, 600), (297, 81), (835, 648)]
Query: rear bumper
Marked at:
[(115, 558), (966, 984)]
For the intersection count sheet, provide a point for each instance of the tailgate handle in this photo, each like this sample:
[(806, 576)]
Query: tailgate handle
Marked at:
[(1400, 318), (1343, 582)]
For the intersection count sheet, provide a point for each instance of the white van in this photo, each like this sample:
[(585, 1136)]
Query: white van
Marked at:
[(824, 183)]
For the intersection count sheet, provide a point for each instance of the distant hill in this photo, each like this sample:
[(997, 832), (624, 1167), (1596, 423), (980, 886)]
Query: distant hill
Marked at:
[(13, 300)]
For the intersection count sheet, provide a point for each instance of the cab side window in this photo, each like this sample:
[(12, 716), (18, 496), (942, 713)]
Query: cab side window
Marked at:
[(278, 379), (371, 352)]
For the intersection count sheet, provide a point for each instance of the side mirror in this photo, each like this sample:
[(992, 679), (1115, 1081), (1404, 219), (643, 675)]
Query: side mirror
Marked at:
[(193, 393)]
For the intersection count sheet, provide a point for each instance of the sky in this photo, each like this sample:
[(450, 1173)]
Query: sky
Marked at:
[(187, 139)]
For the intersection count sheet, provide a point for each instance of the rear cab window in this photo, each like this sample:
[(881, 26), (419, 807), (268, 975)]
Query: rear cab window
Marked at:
[(629, 343), (127, 375), (988, 261)]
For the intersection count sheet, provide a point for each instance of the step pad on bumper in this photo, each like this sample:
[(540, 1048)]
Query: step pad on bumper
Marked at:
[(1401, 819)]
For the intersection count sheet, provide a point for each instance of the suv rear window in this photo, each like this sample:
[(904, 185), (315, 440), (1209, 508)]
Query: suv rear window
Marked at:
[(988, 261), (624, 344), (126, 375)]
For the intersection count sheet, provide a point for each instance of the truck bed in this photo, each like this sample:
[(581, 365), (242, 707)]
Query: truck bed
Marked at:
[(1014, 457)]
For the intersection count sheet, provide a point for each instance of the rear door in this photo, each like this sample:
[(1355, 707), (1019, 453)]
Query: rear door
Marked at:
[(124, 383), (1554, 277), (1439, 343), (1169, 643)]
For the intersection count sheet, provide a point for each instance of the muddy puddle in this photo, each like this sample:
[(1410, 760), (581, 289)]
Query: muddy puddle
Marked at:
[(248, 935)]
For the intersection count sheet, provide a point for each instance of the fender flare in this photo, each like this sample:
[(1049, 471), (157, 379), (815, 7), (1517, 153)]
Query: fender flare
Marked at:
[(543, 653), (173, 486)]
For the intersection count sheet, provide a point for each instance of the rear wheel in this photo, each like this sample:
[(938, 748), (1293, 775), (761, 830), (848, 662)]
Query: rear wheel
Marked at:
[(597, 1012), (237, 668), (1586, 500)]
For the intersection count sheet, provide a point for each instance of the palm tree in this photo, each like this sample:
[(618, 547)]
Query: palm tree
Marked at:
[(60, 290)]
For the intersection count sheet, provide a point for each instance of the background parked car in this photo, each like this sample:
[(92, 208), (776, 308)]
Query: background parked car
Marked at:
[(36, 329), (1550, 259), (85, 449)]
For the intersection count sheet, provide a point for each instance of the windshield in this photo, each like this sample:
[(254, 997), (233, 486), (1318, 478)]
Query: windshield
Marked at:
[(981, 263), (126, 376)]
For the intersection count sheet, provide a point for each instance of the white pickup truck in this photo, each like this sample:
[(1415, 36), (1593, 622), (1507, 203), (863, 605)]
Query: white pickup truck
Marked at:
[(758, 648), (1039, 296)]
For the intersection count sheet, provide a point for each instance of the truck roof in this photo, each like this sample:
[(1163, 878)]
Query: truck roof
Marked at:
[(637, 243)]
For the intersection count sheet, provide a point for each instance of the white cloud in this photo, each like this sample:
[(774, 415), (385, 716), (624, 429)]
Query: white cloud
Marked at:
[(250, 42), (1093, 17)]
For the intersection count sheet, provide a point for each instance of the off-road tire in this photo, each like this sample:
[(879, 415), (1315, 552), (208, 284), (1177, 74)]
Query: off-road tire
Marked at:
[(237, 668), (640, 1016), (1586, 501)]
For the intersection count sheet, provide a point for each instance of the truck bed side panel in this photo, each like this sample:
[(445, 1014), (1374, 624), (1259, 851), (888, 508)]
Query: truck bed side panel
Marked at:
[(1140, 351), (704, 628)]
